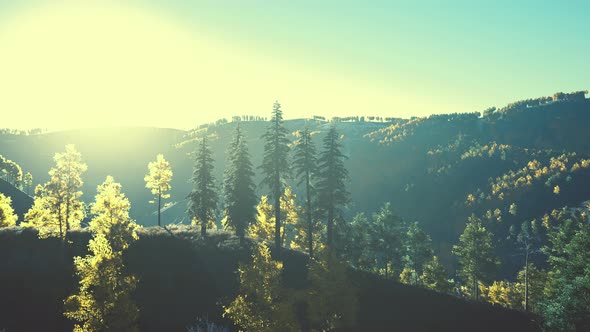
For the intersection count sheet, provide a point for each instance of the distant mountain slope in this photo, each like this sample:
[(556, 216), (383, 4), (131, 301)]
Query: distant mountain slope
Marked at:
[(533, 154)]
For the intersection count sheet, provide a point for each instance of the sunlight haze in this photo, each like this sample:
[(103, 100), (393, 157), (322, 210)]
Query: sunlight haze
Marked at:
[(67, 64)]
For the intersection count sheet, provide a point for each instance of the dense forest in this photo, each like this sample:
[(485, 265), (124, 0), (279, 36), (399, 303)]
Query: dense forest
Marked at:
[(350, 223)]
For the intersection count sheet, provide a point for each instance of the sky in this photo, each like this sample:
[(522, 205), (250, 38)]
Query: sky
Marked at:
[(179, 63)]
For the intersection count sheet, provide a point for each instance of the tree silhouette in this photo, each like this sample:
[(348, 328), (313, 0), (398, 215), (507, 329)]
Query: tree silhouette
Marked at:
[(240, 199), (203, 198), (305, 167), (332, 193), (275, 164), (158, 180)]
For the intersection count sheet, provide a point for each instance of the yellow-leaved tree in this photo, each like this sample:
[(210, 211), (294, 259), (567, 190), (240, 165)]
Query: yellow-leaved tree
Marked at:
[(262, 304), (7, 216), (103, 301), (264, 227), (158, 180), (57, 207)]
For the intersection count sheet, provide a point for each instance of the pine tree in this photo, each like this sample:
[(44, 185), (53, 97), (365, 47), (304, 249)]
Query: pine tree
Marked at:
[(57, 207), (275, 165), (203, 198), (387, 237), (527, 240), (434, 276), (476, 253), (240, 199), (418, 250), (103, 301), (305, 167), (7, 216), (28, 182), (158, 180), (332, 177), (264, 226)]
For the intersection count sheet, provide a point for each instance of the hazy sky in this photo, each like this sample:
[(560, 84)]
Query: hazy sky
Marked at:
[(167, 63)]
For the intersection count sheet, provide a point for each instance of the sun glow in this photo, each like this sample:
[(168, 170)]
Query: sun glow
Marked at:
[(95, 64)]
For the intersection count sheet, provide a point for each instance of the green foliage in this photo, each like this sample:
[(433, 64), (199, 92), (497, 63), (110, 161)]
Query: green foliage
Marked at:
[(567, 304), (7, 216), (57, 207), (475, 251), (28, 182), (262, 304), (418, 250), (240, 199), (12, 171), (264, 226), (158, 180), (306, 169), (387, 236), (103, 301), (275, 165), (332, 177), (434, 276), (203, 198)]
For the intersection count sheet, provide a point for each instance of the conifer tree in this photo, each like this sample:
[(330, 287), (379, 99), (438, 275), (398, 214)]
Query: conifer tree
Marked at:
[(158, 180), (387, 237), (435, 277), (103, 301), (305, 167), (275, 165), (332, 177), (418, 250), (28, 182), (7, 216), (476, 253), (57, 207), (527, 241), (240, 199), (203, 198)]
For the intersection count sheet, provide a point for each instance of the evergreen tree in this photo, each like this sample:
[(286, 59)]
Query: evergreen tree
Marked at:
[(57, 207), (7, 216), (527, 240), (434, 276), (305, 167), (332, 177), (240, 199), (103, 301), (158, 180), (418, 250), (476, 253), (28, 182), (387, 237), (262, 304), (275, 164), (567, 304), (203, 198)]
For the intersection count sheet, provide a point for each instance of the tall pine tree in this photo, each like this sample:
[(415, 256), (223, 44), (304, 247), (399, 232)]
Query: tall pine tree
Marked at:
[(203, 198), (331, 185), (476, 253), (275, 164), (240, 199), (305, 167)]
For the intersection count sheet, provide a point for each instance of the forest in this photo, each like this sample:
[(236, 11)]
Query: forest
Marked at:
[(360, 223)]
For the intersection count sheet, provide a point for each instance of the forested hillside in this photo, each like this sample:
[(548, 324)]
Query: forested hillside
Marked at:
[(490, 206)]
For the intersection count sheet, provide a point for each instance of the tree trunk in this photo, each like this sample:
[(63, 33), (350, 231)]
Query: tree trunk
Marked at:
[(526, 282), (159, 202), (475, 288), (330, 226), (203, 227), (278, 240), (309, 219)]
